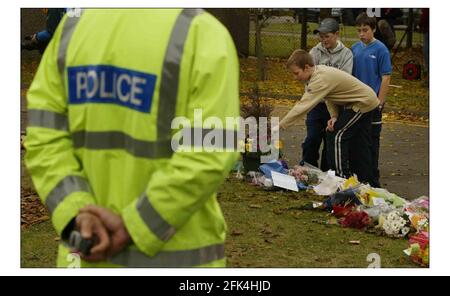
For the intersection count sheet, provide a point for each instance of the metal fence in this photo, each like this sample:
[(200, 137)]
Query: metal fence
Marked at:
[(281, 35)]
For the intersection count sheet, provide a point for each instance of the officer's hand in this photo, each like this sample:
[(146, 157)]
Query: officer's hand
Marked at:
[(91, 227), (119, 235), (330, 125)]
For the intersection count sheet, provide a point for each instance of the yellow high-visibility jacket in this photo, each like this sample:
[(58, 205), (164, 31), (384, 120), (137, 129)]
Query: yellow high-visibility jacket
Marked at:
[(100, 129)]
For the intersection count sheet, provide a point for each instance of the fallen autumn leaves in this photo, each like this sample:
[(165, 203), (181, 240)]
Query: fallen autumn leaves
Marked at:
[(31, 209)]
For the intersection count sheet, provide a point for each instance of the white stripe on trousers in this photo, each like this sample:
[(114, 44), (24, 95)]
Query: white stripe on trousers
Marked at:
[(337, 142)]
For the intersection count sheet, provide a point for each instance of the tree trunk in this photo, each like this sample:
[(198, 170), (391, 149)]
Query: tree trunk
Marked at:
[(409, 37), (237, 21), (262, 67), (303, 43)]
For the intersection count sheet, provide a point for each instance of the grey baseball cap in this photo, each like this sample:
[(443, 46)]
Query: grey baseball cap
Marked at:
[(328, 25)]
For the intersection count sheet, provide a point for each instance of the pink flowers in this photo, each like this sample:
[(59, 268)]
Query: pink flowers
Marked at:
[(419, 248), (304, 175)]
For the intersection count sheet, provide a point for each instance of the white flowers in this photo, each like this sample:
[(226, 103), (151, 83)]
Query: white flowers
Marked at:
[(395, 225)]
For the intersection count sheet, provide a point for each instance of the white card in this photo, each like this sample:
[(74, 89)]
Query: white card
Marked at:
[(378, 201), (284, 181)]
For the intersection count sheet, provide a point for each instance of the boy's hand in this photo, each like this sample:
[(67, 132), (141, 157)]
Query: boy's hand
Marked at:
[(330, 125)]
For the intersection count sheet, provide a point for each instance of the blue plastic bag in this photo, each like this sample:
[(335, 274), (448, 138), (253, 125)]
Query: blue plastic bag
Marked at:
[(340, 198), (275, 166), (302, 186)]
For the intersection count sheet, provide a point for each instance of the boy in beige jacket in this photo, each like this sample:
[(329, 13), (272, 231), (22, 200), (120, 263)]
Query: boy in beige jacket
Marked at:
[(337, 89)]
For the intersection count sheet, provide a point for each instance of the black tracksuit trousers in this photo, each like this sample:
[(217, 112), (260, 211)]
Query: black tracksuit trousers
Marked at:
[(351, 128)]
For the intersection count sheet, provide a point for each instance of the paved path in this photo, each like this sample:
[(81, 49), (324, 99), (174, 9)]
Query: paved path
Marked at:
[(404, 155)]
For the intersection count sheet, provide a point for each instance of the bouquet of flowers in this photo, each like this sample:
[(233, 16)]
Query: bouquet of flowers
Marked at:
[(418, 213), (356, 219), (340, 211), (374, 196), (395, 224), (419, 250), (306, 175)]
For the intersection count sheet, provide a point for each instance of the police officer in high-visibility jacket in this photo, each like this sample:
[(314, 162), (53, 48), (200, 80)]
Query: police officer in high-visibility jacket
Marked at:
[(99, 143)]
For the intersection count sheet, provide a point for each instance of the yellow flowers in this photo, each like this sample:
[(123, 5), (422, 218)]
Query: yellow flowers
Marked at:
[(248, 145), (278, 144), (351, 182)]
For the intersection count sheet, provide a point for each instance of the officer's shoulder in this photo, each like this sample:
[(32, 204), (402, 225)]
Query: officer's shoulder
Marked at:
[(206, 20)]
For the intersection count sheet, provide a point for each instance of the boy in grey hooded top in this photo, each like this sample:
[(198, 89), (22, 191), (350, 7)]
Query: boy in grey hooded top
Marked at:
[(339, 57), (330, 52)]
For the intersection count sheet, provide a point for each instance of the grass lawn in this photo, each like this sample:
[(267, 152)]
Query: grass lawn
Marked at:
[(266, 229), (38, 246), (346, 31)]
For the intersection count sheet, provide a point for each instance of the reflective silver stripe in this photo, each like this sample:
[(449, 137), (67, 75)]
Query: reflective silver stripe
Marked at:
[(65, 187), (185, 258), (66, 35), (140, 148), (377, 122), (196, 136), (163, 230), (153, 150), (120, 140), (171, 73), (48, 119)]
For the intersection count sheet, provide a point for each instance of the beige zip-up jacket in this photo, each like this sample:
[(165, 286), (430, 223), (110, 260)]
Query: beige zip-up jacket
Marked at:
[(336, 88)]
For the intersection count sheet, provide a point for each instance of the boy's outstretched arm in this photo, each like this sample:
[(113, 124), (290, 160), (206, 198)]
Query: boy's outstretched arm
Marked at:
[(313, 95)]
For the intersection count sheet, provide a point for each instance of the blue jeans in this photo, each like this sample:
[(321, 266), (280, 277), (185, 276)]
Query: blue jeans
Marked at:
[(316, 123)]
